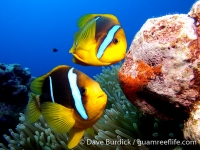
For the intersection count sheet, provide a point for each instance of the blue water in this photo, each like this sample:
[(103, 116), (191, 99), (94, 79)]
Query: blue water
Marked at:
[(29, 30)]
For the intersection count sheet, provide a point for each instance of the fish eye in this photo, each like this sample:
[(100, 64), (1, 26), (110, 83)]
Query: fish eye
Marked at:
[(115, 40), (83, 91)]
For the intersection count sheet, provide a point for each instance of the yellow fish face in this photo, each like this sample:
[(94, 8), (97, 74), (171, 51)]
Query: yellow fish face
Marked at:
[(116, 50), (101, 41), (93, 99)]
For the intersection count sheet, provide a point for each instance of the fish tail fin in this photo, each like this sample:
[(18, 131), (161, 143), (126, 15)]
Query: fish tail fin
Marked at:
[(32, 112), (75, 136)]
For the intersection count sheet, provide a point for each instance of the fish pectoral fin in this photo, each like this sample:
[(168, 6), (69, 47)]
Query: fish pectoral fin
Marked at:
[(85, 34), (32, 112), (59, 118), (75, 136)]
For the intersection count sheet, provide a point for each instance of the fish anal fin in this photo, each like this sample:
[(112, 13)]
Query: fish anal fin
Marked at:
[(88, 61), (59, 118), (32, 112), (75, 136), (77, 61)]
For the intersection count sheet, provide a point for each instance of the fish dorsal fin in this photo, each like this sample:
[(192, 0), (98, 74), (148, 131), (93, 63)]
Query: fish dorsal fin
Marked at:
[(59, 118), (37, 84), (84, 19), (111, 17), (86, 33)]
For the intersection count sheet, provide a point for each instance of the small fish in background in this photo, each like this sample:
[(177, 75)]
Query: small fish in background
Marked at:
[(69, 101), (101, 41), (54, 50)]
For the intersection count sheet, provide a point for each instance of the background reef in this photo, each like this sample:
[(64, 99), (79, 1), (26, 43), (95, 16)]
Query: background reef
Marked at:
[(14, 94), (121, 120)]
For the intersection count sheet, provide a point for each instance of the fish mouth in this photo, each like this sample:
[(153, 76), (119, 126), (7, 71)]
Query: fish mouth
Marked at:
[(101, 99), (102, 95)]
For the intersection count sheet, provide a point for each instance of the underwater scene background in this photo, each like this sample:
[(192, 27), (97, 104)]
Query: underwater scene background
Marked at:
[(30, 31)]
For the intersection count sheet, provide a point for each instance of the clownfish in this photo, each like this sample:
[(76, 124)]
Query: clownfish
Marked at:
[(101, 41), (68, 100)]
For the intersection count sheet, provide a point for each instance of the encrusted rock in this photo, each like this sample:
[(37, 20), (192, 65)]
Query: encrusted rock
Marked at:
[(160, 74)]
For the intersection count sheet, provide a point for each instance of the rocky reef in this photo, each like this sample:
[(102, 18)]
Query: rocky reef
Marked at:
[(161, 71), (14, 89)]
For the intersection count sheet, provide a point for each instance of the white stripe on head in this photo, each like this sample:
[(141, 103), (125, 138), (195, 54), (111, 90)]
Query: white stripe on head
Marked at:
[(97, 18), (51, 89), (109, 37), (72, 77)]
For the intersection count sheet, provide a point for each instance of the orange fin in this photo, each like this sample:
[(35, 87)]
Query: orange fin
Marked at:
[(59, 118), (32, 112), (75, 136)]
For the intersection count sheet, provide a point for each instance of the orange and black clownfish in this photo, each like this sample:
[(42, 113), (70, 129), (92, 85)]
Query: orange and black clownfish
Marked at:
[(54, 50), (69, 101), (101, 41)]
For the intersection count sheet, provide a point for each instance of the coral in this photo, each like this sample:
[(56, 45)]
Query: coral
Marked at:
[(121, 121), (167, 85), (160, 73), (14, 89), (192, 125), (14, 83)]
